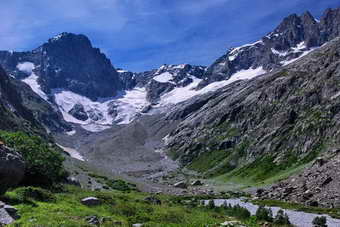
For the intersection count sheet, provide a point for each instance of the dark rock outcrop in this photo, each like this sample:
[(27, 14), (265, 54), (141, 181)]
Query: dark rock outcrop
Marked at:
[(12, 168), (91, 201), (68, 61), (78, 112), (178, 76)]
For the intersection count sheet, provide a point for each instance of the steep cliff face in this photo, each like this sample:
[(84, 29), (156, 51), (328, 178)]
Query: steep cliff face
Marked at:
[(273, 122), (13, 114), (294, 37), (67, 61)]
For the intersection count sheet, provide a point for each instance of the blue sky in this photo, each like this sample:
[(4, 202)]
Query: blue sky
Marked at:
[(143, 34)]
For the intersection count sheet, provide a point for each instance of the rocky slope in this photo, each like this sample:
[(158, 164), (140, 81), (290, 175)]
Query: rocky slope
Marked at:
[(258, 128), (15, 111), (294, 37), (317, 185)]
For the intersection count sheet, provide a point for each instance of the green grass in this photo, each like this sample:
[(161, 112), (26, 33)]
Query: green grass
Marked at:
[(208, 160), (129, 208), (233, 180), (43, 208)]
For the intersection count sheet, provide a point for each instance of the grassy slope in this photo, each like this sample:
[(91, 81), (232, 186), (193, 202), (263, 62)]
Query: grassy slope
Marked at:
[(129, 208)]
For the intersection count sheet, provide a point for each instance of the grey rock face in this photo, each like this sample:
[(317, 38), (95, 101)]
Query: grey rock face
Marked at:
[(5, 217), (12, 168), (289, 40), (68, 61), (78, 112), (294, 109), (180, 184), (179, 76), (91, 201)]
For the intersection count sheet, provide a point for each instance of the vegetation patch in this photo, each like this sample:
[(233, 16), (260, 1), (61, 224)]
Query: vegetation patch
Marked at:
[(44, 164)]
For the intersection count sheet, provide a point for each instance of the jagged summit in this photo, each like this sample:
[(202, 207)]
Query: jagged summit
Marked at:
[(68, 61), (292, 38)]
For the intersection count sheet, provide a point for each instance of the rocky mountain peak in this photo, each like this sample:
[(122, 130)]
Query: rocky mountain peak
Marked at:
[(292, 38), (67, 61), (307, 17), (330, 24)]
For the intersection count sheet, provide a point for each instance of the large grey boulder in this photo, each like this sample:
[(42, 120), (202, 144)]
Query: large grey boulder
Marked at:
[(78, 112), (8, 214), (91, 201), (12, 168)]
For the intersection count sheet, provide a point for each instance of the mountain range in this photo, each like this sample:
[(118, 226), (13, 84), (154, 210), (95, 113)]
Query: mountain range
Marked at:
[(259, 110)]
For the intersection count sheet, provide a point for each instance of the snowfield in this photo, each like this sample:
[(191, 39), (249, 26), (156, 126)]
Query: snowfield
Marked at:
[(32, 79), (164, 77), (128, 105)]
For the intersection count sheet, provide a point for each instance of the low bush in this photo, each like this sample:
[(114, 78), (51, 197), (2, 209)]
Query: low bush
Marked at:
[(320, 221), (26, 194), (236, 211), (120, 185), (281, 218), (264, 214)]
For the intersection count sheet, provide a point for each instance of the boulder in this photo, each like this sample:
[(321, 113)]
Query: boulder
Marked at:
[(78, 112), (91, 201), (73, 181), (8, 214), (12, 168), (92, 220), (196, 183), (180, 184), (137, 225), (153, 200), (319, 162)]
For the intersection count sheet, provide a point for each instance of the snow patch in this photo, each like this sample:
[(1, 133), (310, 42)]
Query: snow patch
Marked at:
[(127, 105), (280, 53), (130, 105), (67, 99), (181, 94), (72, 152), (235, 51), (304, 53), (164, 77), (299, 47), (95, 127), (181, 66), (32, 79), (57, 37), (71, 133), (26, 67)]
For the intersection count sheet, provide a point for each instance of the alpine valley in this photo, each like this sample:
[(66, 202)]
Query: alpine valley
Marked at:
[(262, 121)]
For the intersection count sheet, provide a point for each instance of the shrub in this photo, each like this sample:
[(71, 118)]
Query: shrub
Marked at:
[(26, 194), (236, 211), (281, 218), (264, 214), (120, 185), (44, 165), (320, 221), (211, 204)]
